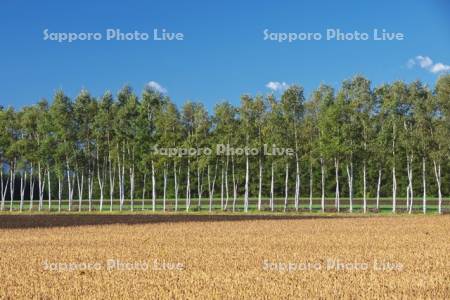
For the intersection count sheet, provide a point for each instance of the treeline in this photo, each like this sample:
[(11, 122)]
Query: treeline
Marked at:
[(357, 142)]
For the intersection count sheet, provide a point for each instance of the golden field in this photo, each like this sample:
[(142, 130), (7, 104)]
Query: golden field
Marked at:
[(224, 256)]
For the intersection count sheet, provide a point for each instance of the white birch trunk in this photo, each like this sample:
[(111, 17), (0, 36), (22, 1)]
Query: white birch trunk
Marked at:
[(4, 194), (178, 185), (132, 184), (394, 179), (121, 174), (188, 186), (49, 189), (41, 183), (286, 188), (2, 204), (12, 172), (119, 169), (221, 189), (164, 187), (23, 180), (101, 184), (322, 171), (424, 184), (90, 188), (31, 187), (364, 187), (123, 179), (234, 184), (4, 188), (175, 184), (410, 180), (227, 198), (153, 188), (337, 197), (143, 191), (378, 189), (408, 186), (260, 184), (297, 182), (101, 180), (272, 204), (247, 174), (69, 185), (310, 187), (60, 189), (199, 187), (437, 173), (211, 187), (350, 184), (297, 171), (112, 181), (394, 190), (80, 184)]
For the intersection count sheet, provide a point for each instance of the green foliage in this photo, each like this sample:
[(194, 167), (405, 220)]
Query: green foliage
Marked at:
[(356, 124)]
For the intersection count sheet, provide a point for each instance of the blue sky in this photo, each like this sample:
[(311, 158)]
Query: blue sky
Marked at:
[(223, 54)]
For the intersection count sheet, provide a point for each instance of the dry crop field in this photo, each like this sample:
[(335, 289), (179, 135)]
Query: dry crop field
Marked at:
[(224, 256)]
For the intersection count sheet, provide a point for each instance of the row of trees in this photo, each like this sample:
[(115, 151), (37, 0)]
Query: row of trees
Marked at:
[(357, 141)]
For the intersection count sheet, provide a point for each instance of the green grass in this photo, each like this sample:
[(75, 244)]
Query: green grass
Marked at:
[(385, 206)]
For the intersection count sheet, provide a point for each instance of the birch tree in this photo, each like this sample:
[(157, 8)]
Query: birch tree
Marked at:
[(292, 102)]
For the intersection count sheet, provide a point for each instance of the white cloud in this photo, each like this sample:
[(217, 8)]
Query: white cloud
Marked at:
[(153, 85), (277, 86), (439, 67), (411, 63), (425, 62)]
